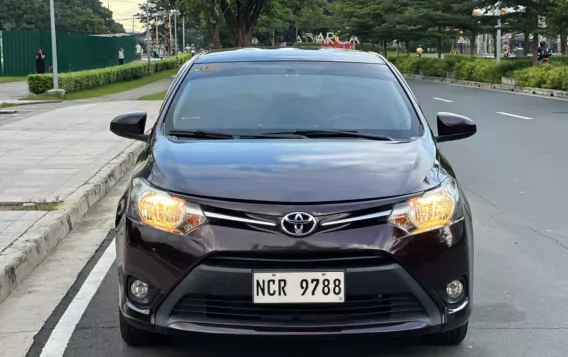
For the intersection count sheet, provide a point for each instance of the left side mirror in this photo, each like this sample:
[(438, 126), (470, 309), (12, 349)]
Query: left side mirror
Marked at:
[(454, 127), (130, 126)]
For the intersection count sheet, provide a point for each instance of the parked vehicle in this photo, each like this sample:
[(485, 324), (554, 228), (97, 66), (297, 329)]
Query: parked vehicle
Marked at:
[(295, 192)]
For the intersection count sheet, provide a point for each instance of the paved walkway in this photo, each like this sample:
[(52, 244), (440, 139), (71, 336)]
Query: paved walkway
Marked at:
[(13, 91), (48, 156)]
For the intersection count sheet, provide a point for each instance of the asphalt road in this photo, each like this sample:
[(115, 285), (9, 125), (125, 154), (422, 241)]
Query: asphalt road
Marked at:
[(514, 172)]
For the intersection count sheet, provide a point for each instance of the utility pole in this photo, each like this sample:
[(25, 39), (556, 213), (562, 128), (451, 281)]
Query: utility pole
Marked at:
[(147, 33), (498, 35), (176, 34), (170, 28), (183, 33), (53, 45)]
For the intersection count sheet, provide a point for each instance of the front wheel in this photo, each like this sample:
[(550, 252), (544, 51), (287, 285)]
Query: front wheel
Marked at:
[(136, 337), (449, 338)]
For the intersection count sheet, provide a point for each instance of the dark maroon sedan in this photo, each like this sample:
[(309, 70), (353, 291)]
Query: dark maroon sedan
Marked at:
[(293, 192)]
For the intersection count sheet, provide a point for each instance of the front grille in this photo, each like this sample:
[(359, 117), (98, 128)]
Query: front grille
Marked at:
[(297, 261), (360, 309)]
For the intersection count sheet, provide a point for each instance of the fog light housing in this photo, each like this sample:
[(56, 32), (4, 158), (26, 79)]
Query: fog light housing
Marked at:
[(139, 290), (455, 290)]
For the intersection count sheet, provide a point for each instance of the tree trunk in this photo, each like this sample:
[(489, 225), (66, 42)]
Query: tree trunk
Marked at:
[(563, 39), (495, 44), (385, 48), (535, 43), (473, 43), (439, 42), (407, 45), (535, 46), (526, 44), (214, 32), (242, 35)]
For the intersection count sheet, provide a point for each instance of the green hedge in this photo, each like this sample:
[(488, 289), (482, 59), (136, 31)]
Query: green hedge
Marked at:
[(549, 77), (89, 79), (467, 68)]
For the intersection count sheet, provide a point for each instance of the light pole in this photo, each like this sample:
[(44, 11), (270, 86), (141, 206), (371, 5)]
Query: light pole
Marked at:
[(147, 32), (53, 45), (183, 33), (176, 33), (498, 37)]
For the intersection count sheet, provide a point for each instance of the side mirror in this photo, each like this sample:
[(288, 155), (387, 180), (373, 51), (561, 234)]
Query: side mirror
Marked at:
[(454, 127), (130, 126)]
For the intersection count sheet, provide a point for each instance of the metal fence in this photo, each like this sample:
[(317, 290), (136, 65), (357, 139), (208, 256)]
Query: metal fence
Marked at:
[(75, 52)]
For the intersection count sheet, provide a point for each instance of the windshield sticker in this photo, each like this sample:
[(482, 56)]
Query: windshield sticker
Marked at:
[(203, 68)]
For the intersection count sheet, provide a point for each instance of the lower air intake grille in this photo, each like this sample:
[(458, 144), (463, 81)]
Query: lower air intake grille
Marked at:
[(382, 308)]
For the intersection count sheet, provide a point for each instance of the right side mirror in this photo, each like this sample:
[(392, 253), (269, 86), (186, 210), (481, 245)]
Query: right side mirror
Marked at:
[(454, 127), (130, 126)]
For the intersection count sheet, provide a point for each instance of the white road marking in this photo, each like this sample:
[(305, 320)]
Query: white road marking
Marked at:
[(443, 100), (60, 336), (514, 115)]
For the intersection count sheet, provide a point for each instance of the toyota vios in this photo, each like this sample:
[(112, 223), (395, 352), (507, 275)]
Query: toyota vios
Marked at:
[(293, 192)]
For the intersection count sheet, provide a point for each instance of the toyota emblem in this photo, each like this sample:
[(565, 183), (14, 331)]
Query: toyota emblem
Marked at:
[(298, 224)]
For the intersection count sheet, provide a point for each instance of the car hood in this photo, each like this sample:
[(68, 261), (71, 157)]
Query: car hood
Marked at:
[(293, 170)]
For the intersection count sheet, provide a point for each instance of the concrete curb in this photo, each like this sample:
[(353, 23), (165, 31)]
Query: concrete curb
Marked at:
[(21, 258), (29, 102), (500, 87)]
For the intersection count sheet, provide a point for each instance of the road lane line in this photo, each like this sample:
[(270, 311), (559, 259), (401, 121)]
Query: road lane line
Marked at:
[(60, 336), (443, 100), (514, 115)]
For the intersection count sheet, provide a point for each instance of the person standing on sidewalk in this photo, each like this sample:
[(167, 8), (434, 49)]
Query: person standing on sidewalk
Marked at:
[(121, 56), (40, 61)]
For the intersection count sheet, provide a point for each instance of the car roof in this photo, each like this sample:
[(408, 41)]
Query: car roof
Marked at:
[(318, 54)]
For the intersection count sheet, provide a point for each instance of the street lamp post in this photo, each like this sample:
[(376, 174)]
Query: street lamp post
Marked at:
[(147, 33), (53, 45), (176, 33), (183, 33), (498, 37)]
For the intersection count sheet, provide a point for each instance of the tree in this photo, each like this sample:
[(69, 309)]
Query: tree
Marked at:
[(557, 20), (291, 17), (74, 16), (241, 17)]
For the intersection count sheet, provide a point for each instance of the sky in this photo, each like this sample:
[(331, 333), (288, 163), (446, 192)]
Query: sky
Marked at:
[(122, 12)]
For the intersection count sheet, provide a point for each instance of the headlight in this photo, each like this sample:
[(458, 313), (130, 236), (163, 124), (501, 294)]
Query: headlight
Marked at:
[(434, 209), (162, 211)]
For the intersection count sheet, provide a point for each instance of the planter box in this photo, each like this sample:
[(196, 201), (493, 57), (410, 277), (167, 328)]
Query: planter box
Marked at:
[(510, 81)]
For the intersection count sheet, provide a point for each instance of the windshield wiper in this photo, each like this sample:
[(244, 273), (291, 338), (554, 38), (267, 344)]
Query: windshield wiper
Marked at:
[(207, 134), (201, 134), (321, 133)]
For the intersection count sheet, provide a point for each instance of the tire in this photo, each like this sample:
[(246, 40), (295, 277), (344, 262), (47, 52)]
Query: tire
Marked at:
[(136, 337), (449, 338)]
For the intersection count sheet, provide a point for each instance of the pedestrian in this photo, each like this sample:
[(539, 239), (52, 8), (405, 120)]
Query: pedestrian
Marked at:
[(419, 51), (40, 61), (505, 49), (121, 56)]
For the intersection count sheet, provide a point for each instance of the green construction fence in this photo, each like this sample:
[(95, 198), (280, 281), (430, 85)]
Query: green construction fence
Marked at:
[(75, 52)]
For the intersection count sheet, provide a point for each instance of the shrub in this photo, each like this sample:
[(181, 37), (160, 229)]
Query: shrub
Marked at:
[(543, 76), (369, 47), (433, 67), (93, 78), (307, 44), (408, 64)]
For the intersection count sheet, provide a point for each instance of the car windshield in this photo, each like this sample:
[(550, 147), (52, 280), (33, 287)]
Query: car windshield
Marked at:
[(265, 97)]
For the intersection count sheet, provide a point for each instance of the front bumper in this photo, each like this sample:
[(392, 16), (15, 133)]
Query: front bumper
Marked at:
[(203, 283)]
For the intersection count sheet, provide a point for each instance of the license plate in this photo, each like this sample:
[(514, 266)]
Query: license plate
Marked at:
[(298, 287)]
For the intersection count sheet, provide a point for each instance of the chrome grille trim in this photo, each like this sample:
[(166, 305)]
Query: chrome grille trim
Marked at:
[(357, 218), (238, 219)]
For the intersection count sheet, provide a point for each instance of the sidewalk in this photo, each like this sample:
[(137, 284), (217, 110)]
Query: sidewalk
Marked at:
[(13, 91), (66, 155)]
